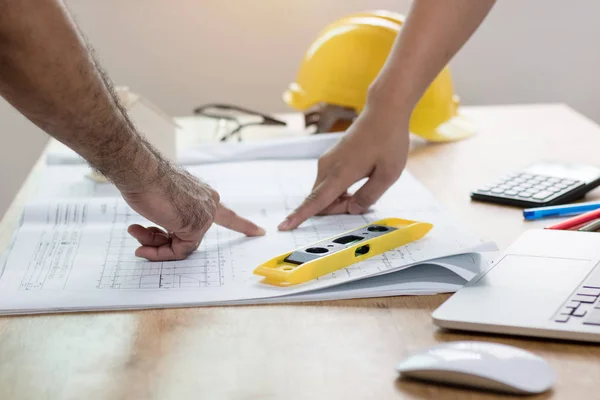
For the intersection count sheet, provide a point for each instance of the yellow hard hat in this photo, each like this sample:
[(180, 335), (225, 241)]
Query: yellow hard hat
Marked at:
[(347, 56)]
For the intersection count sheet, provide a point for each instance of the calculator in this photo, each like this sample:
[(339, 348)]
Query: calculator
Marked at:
[(541, 184)]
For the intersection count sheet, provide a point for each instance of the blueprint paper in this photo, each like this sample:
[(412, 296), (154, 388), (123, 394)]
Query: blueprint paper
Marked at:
[(73, 253)]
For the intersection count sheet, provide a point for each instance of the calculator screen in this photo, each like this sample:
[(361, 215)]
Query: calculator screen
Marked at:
[(586, 173)]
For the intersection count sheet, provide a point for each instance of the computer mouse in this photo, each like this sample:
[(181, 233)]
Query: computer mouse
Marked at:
[(481, 365)]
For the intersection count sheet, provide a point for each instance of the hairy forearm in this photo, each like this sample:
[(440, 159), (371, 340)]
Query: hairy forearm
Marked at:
[(49, 75), (433, 33)]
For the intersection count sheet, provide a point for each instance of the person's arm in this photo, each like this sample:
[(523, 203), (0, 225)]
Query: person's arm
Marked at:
[(376, 144), (49, 75)]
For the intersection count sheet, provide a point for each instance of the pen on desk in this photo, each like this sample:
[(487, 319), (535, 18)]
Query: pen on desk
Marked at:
[(560, 210), (591, 227), (578, 220)]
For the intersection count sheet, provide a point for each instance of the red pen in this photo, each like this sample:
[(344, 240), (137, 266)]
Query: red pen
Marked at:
[(578, 220)]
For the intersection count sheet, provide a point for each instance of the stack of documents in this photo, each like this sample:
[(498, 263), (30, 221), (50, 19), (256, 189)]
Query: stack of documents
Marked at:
[(73, 253), (285, 148)]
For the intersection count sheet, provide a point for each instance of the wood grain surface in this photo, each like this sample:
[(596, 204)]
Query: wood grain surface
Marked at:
[(323, 350)]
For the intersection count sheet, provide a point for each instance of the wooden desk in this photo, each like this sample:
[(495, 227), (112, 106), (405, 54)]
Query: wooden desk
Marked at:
[(329, 350)]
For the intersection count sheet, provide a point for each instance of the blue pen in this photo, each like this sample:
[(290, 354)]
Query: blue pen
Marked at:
[(559, 211)]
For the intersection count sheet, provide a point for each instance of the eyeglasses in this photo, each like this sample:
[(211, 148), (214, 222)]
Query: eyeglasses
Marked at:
[(232, 119)]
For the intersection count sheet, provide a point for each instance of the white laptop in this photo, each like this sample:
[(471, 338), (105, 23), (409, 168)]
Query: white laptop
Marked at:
[(546, 284)]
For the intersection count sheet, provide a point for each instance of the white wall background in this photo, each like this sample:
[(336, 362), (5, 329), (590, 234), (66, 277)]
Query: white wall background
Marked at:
[(183, 53)]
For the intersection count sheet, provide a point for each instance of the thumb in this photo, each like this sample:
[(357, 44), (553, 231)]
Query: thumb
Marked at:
[(370, 192)]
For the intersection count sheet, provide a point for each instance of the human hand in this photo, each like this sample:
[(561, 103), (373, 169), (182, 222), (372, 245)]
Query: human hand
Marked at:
[(185, 208), (374, 147)]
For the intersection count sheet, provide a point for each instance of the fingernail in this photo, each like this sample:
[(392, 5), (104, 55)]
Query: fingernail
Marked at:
[(354, 208), (261, 232), (285, 225)]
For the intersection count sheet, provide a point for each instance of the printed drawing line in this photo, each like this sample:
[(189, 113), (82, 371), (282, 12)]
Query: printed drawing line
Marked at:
[(52, 260), (119, 278), (130, 278)]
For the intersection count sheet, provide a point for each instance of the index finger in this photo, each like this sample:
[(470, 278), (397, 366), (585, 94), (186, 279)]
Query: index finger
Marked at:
[(321, 197), (229, 219)]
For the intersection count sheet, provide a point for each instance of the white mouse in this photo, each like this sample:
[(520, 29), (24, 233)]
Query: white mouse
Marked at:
[(481, 365)]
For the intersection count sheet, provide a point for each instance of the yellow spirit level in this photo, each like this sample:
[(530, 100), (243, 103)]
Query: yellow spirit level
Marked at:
[(326, 256)]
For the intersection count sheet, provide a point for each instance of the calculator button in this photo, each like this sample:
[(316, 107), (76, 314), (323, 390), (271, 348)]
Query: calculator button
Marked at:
[(483, 189), (562, 318), (554, 189), (568, 181), (497, 190), (545, 184), (542, 195), (525, 194), (538, 188), (560, 186), (518, 180), (511, 193), (553, 180)]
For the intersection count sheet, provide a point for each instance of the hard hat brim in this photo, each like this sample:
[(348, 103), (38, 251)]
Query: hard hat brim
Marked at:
[(456, 128), (295, 97)]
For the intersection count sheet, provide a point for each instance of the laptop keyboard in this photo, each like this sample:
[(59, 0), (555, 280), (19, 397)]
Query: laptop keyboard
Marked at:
[(583, 306)]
